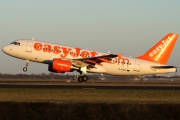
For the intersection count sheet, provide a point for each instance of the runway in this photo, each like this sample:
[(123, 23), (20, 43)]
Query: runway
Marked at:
[(92, 85)]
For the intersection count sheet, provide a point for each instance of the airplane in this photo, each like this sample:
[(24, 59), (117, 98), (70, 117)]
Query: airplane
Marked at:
[(61, 59)]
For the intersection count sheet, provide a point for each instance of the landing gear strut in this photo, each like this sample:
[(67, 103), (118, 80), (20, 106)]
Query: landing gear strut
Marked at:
[(82, 78), (25, 68)]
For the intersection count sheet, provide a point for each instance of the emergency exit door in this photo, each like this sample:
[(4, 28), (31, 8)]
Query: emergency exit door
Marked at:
[(137, 66)]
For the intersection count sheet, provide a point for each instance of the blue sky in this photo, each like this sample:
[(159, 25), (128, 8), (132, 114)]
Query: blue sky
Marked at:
[(128, 26)]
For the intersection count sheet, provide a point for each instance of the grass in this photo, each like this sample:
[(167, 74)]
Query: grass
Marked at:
[(89, 95), (98, 104)]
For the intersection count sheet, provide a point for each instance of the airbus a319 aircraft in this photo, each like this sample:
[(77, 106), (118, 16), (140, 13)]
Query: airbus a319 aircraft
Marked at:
[(61, 59)]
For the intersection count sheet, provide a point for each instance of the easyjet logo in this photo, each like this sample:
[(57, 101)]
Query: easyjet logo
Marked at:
[(64, 51), (77, 52), (160, 47)]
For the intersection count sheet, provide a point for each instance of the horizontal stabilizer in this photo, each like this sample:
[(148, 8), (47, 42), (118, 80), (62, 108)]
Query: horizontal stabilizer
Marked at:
[(163, 67)]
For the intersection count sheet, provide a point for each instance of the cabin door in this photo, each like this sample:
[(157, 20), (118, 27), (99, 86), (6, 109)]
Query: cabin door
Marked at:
[(29, 46)]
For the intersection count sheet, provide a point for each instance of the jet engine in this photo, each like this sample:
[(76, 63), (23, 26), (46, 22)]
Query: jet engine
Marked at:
[(60, 66)]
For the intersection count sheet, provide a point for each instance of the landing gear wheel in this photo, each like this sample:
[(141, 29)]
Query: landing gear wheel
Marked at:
[(80, 79), (25, 69), (83, 78)]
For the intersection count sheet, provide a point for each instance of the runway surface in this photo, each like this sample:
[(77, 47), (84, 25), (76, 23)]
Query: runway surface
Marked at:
[(92, 85)]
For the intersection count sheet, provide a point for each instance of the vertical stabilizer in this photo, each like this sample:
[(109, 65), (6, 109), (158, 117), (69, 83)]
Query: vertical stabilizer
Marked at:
[(162, 50)]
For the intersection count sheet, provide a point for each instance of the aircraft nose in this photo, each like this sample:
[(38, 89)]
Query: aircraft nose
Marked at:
[(5, 49)]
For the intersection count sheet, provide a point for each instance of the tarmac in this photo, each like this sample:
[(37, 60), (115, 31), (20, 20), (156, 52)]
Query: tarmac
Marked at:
[(92, 84)]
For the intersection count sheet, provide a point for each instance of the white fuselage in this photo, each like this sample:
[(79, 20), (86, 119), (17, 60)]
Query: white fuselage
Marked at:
[(42, 52)]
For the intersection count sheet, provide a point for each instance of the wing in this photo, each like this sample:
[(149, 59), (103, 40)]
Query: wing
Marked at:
[(90, 62)]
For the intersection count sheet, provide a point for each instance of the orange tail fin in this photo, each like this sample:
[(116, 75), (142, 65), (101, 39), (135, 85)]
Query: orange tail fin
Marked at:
[(162, 50)]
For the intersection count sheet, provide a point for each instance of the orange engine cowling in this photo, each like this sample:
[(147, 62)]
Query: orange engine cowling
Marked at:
[(60, 66)]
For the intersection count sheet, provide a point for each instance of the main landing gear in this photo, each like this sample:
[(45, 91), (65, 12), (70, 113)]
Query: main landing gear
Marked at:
[(25, 68), (82, 78)]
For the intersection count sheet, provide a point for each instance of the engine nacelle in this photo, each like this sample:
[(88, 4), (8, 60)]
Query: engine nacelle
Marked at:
[(60, 66)]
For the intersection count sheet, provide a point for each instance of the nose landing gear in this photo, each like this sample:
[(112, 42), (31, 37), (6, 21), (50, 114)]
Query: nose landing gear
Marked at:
[(25, 68)]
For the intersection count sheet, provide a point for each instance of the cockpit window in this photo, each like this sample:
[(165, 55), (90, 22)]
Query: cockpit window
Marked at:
[(16, 43)]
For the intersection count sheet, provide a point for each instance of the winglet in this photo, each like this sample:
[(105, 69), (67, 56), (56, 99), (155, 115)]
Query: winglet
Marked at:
[(162, 50)]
